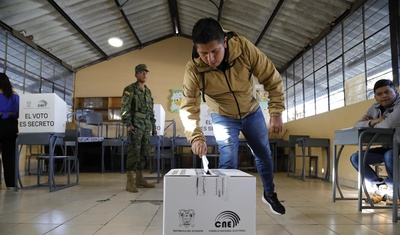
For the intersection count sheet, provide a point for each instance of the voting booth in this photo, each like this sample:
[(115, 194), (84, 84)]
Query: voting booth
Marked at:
[(159, 115), (222, 202), (43, 112), (205, 120)]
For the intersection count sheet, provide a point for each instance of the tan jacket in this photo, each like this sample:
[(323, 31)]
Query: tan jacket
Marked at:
[(245, 59)]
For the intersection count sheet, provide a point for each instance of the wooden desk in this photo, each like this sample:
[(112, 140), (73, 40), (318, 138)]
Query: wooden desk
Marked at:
[(312, 143), (363, 136)]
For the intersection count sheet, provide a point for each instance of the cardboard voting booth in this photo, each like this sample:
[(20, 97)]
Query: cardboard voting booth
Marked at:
[(43, 112), (205, 120), (159, 115), (220, 203)]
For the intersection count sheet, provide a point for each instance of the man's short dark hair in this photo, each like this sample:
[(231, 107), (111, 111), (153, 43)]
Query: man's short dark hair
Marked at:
[(207, 30), (382, 83)]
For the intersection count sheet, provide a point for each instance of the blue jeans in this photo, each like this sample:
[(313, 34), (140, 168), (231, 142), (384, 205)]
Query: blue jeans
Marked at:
[(376, 156), (254, 129)]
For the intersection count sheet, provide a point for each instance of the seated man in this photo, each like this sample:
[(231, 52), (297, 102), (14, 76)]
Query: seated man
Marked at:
[(385, 113)]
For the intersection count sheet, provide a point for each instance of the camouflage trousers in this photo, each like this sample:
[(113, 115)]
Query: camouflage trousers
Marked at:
[(138, 150)]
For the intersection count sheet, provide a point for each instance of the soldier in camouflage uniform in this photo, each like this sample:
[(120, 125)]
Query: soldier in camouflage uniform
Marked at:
[(138, 116)]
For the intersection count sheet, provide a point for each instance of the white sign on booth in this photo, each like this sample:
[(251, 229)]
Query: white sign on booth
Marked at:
[(42, 112), (205, 120), (159, 115)]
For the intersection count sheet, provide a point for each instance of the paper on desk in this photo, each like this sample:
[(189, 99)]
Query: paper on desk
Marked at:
[(205, 164)]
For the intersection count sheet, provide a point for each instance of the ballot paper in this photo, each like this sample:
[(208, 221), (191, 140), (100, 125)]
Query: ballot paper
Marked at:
[(205, 164)]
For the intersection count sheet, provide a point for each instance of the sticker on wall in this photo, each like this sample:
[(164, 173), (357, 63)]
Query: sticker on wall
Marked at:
[(176, 99), (262, 96)]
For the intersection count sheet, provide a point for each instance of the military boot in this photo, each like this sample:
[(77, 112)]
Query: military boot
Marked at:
[(130, 182), (141, 182)]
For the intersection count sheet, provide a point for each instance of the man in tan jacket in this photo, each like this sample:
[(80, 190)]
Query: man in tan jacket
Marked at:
[(220, 72)]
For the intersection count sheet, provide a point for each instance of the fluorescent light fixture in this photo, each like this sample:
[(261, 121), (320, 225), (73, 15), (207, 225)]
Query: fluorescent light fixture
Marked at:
[(115, 42)]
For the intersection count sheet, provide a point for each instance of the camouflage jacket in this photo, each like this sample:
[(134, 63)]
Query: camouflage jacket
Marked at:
[(137, 107)]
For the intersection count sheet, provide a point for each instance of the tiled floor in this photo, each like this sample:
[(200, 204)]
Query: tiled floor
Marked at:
[(100, 205)]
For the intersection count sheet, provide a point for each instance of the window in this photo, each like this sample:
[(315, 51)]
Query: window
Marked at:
[(354, 75), (320, 54), (334, 43), (298, 71), (16, 76), (376, 16), (60, 91), (46, 86), (32, 83), (16, 52), (308, 63), (309, 96), (353, 29), (321, 91), (2, 45), (47, 68), (299, 100), (343, 67), (59, 74), (33, 61), (289, 76), (290, 104), (378, 59), (336, 91), (31, 71)]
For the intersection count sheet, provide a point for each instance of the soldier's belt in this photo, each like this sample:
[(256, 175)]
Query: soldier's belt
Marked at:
[(142, 115)]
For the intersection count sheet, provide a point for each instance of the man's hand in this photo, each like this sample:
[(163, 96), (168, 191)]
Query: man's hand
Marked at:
[(275, 124), (373, 122), (367, 118), (199, 147)]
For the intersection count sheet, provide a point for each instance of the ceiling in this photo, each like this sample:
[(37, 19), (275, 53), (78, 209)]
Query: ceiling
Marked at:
[(77, 31)]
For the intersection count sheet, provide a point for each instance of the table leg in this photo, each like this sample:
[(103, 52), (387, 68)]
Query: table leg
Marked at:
[(395, 179)]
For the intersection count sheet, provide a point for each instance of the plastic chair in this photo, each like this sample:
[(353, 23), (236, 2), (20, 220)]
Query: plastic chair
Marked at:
[(179, 144), (85, 132), (293, 141), (155, 143), (118, 146), (36, 154), (96, 119), (166, 152)]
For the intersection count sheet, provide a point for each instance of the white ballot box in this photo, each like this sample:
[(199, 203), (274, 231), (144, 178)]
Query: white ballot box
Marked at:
[(159, 115), (220, 203), (43, 112)]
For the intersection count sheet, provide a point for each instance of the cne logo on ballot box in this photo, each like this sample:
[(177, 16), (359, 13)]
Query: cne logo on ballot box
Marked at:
[(44, 112)]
